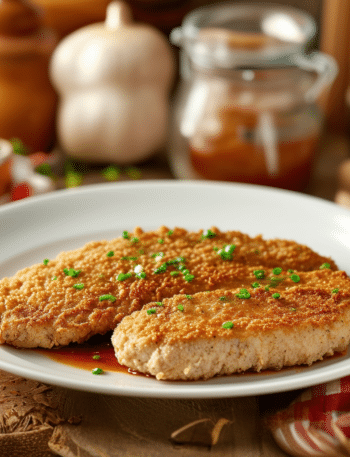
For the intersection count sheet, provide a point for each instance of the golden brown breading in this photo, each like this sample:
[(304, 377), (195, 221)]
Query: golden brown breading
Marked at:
[(44, 306), (227, 331)]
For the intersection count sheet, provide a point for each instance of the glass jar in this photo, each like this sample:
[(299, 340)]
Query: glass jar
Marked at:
[(246, 107)]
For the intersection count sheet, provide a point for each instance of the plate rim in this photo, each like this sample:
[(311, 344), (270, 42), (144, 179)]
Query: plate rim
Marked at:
[(187, 390)]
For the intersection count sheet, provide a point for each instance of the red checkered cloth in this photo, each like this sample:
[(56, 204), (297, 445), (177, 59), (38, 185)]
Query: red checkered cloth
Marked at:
[(317, 423)]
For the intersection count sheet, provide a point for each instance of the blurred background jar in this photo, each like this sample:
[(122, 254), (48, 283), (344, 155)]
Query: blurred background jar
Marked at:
[(246, 109)]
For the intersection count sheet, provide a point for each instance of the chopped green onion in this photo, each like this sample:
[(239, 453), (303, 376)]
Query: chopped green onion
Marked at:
[(141, 275), (277, 271), (96, 357), (267, 288), (259, 274), (54, 278), (325, 265), (46, 261), (227, 324), (226, 253), (151, 311), (170, 232), (71, 272), (174, 273), (126, 235), (243, 293), (159, 303), (223, 298), (180, 307), (290, 271), (295, 278), (335, 291), (293, 309), (189, 278), (160, 241), (97, 371), (189, 297), (160, 269), (255, 285), (123, 276), (208, 234), (276, 295), (134, 239), (110, 254), (78, 286), (107, 297)]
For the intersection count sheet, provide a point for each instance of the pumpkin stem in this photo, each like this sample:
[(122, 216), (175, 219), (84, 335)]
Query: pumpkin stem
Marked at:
[(117, 14)]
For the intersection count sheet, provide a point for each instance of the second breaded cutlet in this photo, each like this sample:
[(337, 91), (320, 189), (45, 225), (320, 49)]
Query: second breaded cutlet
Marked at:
[(90, 290), (229, 331)]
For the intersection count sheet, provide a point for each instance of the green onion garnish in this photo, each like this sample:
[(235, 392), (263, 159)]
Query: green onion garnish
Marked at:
[(180, 307), (97, 371), (259, 274), (325, 265), (151, 311), (208, 234), (243, 293), (110, 254), (123, 276), (71, 272), (107, 297), (78, 286), (277, 271), (335, 291), (227, 324), (46, 261), (226, 253), (295, 278), (189, 278), (276, 295), (160, 269)]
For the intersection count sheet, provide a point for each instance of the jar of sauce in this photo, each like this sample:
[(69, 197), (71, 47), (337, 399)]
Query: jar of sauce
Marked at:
[(246, 107)]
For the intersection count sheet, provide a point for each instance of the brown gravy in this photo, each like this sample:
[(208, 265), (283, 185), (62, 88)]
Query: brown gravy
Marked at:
[(81, 355)]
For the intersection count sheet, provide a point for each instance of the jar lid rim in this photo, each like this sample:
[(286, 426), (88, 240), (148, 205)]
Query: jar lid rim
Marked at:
[(283, 31)]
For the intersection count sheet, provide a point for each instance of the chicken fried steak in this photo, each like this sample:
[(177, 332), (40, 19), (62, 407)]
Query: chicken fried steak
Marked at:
[(90, 290), (229, 331)]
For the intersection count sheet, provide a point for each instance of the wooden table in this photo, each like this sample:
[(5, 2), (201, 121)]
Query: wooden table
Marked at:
[(90, 425)]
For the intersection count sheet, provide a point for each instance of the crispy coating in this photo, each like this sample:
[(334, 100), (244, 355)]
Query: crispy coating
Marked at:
[(221, 333), (41, 307)]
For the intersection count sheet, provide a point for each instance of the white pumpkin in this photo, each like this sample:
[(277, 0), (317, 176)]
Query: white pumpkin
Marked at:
[(113, 79)]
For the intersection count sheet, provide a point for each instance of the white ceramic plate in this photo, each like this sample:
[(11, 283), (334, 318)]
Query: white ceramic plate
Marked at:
[(40, 227)]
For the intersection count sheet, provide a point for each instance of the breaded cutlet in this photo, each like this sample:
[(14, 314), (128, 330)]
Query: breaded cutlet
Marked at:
[(228, 331), (89, 290)]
